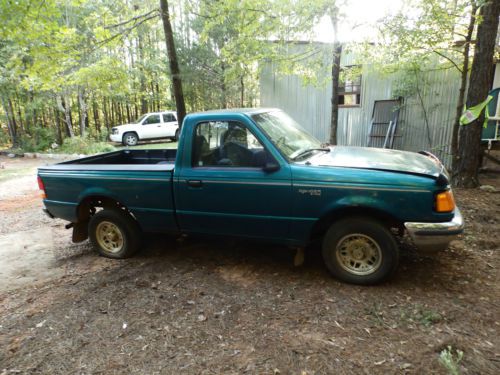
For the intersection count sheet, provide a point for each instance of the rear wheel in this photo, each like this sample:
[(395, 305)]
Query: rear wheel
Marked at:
[(176, 136), (130, 139), (114, 233), (360, 250)]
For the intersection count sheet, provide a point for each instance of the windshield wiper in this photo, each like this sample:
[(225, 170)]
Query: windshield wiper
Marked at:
[(302, 153)]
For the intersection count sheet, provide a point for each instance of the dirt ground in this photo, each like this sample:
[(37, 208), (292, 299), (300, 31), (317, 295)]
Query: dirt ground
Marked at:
[(212, 307)]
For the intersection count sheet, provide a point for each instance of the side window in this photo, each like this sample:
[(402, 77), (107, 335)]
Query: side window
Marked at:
[(227, 144), (168, 117), (153, 119)]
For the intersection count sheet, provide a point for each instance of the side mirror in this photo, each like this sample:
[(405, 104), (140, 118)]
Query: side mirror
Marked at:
[(271, 167)]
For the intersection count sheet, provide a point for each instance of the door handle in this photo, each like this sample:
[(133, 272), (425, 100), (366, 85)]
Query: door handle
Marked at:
[(194, 183)]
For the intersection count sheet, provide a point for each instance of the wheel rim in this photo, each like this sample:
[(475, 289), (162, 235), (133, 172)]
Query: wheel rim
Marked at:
[(130, 140), (109, 237), (358, 254)]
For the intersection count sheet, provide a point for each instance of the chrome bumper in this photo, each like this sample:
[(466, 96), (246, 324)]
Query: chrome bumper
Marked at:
[(431, 237)]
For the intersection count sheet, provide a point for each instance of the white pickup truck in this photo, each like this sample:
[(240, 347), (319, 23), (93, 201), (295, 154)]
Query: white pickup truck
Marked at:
[(155, 125)]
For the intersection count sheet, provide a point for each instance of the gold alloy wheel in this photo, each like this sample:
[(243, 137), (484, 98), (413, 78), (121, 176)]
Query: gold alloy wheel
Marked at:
[(109, 237), (358, 254)]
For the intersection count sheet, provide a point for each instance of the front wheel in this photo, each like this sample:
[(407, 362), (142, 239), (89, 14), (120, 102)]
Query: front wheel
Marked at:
[(360, 251), (130, 139), (114, 233)]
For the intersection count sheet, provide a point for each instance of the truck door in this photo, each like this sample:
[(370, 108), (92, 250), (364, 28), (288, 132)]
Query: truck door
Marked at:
[(151, 127), (226, 189), (169, 125)]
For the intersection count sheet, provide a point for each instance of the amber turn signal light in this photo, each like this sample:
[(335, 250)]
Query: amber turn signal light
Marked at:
[(445, 201)]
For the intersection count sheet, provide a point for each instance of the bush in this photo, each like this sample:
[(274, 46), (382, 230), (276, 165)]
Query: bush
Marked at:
[(101, 137), (450, 360), (4, 137), (41, 139), (84, 145)]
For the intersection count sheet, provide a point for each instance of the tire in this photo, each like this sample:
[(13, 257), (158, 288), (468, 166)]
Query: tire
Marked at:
[(130, 139), (359, 250), (176, 136), (114, 234)]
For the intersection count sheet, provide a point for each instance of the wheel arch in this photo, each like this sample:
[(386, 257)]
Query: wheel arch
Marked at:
[(98, 200), (321, 226), (131, 131)]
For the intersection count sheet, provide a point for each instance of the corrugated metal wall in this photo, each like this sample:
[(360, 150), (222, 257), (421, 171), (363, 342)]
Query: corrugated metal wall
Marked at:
[(311, 106)]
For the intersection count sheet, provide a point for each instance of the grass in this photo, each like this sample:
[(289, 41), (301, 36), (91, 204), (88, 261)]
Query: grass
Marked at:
[(451, 361)]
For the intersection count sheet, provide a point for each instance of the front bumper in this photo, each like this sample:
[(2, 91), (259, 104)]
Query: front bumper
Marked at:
[(431, 237), (115, 138)]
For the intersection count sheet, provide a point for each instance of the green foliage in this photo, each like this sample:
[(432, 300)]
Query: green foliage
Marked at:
[(84, 145), (424, 35), (451, 361), (4, 137), (102, 62), (40, 140)]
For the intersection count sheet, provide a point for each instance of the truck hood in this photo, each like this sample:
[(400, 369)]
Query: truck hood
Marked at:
[(125, 127), (378, 159)]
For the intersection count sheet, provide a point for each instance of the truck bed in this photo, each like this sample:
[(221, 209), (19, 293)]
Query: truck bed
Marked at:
[(124, 158), (141, 180)]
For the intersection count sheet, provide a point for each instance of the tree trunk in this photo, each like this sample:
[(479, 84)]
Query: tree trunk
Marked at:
[(83, 111), (95, 112), (144, 102), (10, 123), (112, 112), (13, 116), (223, 85), (242, 92), (129, 119), (337, 53), (105, 112), (469, 143), (158, 96), (463, 84), (24, 129), (58, 126), (63, 106), (174, 65)]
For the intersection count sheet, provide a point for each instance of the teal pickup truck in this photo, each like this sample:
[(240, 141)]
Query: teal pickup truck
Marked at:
[(255, 173)]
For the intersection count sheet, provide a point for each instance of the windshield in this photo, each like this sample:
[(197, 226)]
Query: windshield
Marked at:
[(140, 119), (288, 136)]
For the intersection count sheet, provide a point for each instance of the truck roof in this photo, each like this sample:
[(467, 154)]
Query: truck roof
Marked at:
[(234, 110)]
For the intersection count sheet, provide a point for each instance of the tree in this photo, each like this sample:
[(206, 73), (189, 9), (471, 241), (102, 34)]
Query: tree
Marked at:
[(174, 65), (469, 144), (464, 71), (337, 53)]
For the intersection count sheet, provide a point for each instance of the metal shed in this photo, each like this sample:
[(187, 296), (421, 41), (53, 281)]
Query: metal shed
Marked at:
[(425, 120)]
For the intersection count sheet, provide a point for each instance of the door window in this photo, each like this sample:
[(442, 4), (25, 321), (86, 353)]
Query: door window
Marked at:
[(153, 119), (168, 117), (227, 144)]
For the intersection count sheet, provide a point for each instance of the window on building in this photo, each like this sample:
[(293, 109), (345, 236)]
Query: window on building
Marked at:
[(349, 90)]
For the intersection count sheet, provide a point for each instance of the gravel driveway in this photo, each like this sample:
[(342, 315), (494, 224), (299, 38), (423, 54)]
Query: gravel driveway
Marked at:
[(213, 306)]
